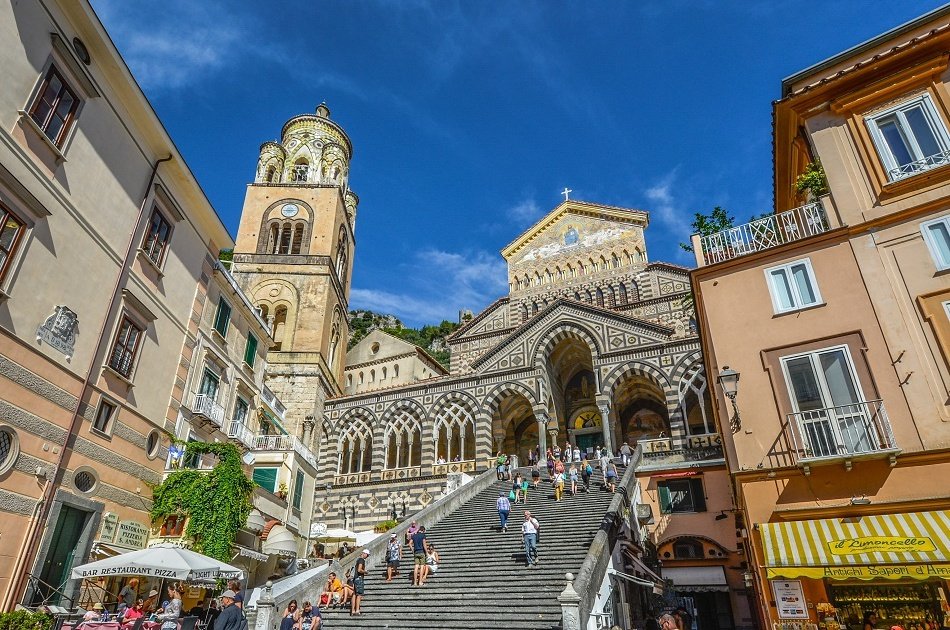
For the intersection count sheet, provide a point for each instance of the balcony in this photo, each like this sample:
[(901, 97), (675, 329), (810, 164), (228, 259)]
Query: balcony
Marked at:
[(842, 434), (284, 443), (241, 435), (205, 410), (919, 166), (761, 234), (271, 400)]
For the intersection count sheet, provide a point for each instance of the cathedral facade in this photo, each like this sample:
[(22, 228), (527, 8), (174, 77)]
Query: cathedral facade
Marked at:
[(593, 344)]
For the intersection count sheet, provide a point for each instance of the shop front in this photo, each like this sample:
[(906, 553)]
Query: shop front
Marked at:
[(833, 571)]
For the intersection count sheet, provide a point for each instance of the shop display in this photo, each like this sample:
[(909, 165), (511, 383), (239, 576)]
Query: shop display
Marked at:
[(911, 606)]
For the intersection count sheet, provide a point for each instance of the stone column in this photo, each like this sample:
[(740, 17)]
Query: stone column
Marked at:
[(570, 605), (266, 611), (542, 419), (605, 425)]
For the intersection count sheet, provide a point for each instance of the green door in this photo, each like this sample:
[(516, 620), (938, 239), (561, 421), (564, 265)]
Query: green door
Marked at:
[(60, 555), (585, 442)]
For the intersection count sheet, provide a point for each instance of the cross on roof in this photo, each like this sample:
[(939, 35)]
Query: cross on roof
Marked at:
[(566, 192)]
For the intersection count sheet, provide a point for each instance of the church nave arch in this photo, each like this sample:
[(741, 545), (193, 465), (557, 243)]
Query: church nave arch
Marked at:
[(643, 405), (547, 341)]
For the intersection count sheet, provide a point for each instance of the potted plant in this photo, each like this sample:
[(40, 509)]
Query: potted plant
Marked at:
[(812, 184), (282, 490)]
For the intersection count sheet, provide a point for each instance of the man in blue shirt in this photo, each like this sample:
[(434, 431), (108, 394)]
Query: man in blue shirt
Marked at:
[(420, 547), (503, 505)]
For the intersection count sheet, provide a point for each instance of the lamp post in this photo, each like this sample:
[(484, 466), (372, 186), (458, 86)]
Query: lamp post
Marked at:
[(729, 382)]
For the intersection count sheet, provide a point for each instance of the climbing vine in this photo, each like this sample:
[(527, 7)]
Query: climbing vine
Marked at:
[(216, 502)]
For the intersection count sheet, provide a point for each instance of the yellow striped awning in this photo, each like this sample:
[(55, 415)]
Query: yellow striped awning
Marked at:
[(892, 539)]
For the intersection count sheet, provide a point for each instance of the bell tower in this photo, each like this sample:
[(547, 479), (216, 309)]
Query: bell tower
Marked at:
[(294, 253)]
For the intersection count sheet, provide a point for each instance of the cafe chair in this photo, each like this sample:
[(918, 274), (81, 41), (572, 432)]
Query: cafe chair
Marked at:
[(188, 623)]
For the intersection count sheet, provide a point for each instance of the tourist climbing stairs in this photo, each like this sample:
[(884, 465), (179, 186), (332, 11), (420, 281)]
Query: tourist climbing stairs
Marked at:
[(482, 581)]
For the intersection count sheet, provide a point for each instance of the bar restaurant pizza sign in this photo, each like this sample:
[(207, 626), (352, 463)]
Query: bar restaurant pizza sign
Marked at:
[(881, 544)]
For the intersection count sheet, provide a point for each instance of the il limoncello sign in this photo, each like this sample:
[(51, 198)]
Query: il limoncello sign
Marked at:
[(881, 544)]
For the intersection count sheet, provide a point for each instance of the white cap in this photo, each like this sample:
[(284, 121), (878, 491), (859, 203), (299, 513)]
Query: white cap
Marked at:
[(366, 551)]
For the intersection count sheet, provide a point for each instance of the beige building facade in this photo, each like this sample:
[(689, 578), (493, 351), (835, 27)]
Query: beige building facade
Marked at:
[(106, 237), (381, 360), (838, 428)]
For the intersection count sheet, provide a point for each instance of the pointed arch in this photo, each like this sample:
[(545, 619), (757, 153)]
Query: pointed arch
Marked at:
[(355, 446)]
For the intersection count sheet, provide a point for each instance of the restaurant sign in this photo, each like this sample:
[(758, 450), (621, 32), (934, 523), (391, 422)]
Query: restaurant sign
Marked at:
[(868, 572), (881, 544), (108, 527), (131, 535)]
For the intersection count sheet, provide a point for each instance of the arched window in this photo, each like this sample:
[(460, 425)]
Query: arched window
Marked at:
[(599, 295), (396, 371), (278, 328), (372, 376), (271, 174), (298, 239), (341, 257), (537, 279), (602, 264), (623, 293), (384, 373), (695, 404), (626, 257), (334, 340), (301, 171), (356, 448), (283, 246), (558, 273), (639, 255), (403, 440), (455, 433), (524, 312), (361, 378), (273, 238), (547, 277), (349, 380), (688, 548), (614, 261)]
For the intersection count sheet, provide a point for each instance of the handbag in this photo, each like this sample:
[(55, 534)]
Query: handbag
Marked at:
[(511, 495)]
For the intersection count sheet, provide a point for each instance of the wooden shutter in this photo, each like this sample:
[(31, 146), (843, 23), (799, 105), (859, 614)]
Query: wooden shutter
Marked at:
[(266, 478), (666, 503), (699, 496)]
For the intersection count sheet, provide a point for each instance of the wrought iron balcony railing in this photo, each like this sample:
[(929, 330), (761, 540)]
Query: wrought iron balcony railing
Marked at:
[(764, 233), (284, 443), (237, 431), (919, 166), (204, 405), (844, 432)]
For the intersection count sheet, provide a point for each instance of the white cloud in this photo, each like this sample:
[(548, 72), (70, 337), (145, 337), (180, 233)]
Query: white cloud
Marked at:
[(525, 211), (665, 207), (436, 285)]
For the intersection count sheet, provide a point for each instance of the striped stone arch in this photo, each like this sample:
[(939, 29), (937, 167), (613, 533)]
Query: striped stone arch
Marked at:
[(685, 364), (364, 413), (456, 424), (493, 397), (639, 368), (453, 396), (546, 342), (403, 403)]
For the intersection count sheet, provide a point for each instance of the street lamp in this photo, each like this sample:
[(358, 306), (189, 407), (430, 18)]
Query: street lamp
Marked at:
[(729, 382)]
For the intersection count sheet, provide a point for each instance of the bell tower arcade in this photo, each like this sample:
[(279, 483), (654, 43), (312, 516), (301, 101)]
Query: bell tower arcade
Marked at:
[(294, 257)]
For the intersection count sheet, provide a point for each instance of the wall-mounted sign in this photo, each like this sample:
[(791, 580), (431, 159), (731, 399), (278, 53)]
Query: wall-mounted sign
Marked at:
[(878, 544), (132, 535), (789, 599), (107, 529), (60, 330)]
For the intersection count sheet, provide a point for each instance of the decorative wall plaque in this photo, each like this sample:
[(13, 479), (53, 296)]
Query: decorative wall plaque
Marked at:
[(59, 330)]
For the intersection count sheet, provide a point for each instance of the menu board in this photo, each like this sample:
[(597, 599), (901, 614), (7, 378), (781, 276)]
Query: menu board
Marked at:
[(789, 599)]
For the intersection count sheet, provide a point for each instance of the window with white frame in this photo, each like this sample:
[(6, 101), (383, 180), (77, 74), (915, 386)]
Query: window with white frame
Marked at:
[(793, 286), (105, 417), (937, 236), (910, 138)]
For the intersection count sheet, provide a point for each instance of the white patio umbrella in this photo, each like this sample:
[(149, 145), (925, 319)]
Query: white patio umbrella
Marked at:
[(164, 561), (337, 535)]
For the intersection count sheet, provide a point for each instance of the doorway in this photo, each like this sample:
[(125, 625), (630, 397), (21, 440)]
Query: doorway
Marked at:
[(70, 525)]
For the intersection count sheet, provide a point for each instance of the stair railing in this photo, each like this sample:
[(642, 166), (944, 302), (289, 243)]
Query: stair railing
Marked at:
[(577, 600)]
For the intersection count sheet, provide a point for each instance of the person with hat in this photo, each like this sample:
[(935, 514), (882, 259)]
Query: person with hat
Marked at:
[(359, 577), (231, 617), (393, 556), (151, 602), (95, 614)]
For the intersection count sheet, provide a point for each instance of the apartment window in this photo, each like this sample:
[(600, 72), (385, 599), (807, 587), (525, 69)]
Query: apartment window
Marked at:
[(830, 409), (156, 238), (209, 385), (910, 138), (55, 107), (222, 318), (266, 477), (240, 410), (682, 495), (937, 235), (125, 348), (11, 232), (298, 490), (793, 286), (105, 415), (250, 350)]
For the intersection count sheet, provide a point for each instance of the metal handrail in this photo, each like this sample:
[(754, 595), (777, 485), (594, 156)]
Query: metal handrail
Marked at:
[(842, 431), (238, 431), (919, 166), (206, 406)]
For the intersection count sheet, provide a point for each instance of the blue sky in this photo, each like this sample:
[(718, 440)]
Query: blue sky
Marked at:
[(467, 118)]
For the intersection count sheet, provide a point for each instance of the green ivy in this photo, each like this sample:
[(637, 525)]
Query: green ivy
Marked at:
[(216, 502), (812, 180), (25, 620)]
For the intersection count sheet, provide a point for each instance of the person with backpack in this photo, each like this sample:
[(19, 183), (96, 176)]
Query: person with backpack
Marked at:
[(516, 489), (500, 466), (611, 477), (586, 471), (530, 530)]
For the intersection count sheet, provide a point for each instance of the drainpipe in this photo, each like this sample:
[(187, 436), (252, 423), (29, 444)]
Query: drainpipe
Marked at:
[(31, 541)]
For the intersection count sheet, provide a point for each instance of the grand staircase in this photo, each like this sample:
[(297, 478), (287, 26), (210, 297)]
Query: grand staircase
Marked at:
[(482, 581)]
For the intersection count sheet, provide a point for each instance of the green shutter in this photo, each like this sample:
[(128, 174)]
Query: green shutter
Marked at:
[(298, 489), (222, 318), (250, 350), (666, 504), (699, 496), (266, 478)]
